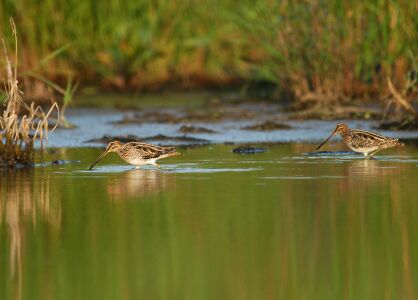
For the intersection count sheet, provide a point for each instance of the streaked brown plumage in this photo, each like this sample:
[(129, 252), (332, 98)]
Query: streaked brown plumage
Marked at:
[(138, 154), (366, 142)]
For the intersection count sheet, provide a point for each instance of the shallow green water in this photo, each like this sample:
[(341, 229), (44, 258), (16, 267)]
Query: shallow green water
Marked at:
[(212, 225)]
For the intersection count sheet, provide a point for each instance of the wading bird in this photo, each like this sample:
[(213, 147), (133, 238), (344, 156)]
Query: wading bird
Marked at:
[(366, 142), (138, 154)]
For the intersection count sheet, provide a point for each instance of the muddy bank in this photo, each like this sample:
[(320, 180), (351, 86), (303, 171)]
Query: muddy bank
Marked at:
[(150, 139), (93, 125), (194, 129), (267, 126), (208, 112)]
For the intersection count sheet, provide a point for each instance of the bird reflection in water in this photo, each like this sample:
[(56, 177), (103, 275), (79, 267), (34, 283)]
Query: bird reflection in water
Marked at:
[(136, 184), (373, 169), (22, 201), (364, 175)]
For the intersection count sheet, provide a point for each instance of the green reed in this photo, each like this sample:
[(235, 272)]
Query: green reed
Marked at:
[(315, 50)]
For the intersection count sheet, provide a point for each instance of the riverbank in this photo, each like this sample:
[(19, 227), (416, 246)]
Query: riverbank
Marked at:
[(95, 127)]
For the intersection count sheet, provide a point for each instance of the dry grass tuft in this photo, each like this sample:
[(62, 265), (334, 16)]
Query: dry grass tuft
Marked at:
[(21, 125)]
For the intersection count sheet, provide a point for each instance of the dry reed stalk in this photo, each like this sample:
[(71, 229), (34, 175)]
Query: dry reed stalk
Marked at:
[(400, 100), (21, 125)]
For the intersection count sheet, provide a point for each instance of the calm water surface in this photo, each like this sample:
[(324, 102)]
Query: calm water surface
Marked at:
[(212, 225)]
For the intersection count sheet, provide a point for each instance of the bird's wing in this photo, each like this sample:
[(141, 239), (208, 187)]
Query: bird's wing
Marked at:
[(369, 134), (368, 138), (147, 151)]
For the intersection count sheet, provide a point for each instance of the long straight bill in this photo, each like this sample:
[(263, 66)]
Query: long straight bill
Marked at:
[(326, 140), (98, 159)]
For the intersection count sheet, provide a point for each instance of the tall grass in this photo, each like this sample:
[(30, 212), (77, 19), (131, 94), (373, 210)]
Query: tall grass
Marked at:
[(316, 50), (21, 125), (331, 50)]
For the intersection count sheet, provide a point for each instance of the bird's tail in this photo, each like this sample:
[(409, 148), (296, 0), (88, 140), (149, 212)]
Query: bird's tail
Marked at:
[(396, 142), (173, 154), (389, 143)]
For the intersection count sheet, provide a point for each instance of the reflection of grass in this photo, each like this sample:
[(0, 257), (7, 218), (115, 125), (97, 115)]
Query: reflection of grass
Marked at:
[(317, 50), (225, 237), (24, 199), (20, 125), (220, 236)]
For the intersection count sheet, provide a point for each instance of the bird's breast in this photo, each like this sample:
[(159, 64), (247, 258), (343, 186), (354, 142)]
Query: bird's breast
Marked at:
[(135, 161)]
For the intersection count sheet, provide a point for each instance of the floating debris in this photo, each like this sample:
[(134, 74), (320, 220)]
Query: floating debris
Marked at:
[(331, 153), (194, 129), (248, 150), (267, 126), (59, 162)]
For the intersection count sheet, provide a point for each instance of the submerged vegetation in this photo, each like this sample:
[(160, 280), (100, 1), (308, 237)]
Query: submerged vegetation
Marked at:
[(21, 125), (315, 52)]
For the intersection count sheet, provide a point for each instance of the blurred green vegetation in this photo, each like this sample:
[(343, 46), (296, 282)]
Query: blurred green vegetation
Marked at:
[(317, 49)]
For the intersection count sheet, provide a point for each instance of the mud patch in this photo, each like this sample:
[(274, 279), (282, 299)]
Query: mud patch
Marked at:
[(267, 126), (195, 129), (209, 117), (227, 131), (204, 114), (335, 112), (149, 117), (155, 138)]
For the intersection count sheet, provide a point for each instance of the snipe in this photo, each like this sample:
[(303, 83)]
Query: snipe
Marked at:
[(366, 142), (138, 154)]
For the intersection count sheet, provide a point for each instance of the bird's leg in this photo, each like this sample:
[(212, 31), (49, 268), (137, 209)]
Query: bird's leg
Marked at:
[(370, 155)]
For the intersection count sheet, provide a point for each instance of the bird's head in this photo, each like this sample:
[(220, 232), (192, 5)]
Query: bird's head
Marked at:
[(113, 146), (340, 128)]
